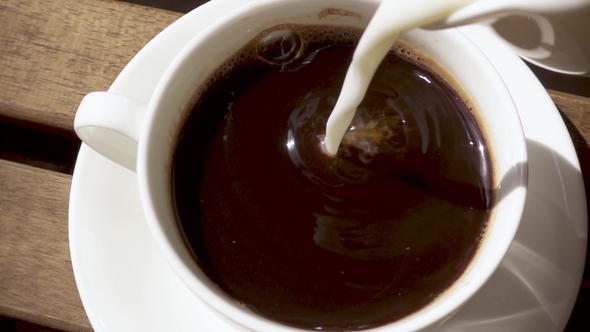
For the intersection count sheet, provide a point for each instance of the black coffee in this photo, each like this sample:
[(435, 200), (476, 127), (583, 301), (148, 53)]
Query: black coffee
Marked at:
[(311, 241)]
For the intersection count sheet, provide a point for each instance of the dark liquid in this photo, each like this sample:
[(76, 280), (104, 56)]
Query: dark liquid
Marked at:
[(341, 243)]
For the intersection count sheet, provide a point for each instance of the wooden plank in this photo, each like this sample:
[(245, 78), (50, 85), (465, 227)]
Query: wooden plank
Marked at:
[(36, 278), (56, 51), (577, 110), (53, 52)]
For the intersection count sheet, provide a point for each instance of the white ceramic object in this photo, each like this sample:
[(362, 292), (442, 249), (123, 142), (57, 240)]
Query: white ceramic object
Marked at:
[(552, 34), (125, 284), (105, 120)]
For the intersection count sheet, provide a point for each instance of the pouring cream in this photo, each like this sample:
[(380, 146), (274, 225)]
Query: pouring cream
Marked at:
[(394, 17)]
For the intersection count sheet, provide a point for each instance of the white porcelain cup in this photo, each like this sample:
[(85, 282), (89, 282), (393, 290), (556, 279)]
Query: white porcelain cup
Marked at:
[(141, 138)]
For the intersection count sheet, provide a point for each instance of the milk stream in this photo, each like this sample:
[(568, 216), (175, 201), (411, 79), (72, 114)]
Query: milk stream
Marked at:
[(392, 18)]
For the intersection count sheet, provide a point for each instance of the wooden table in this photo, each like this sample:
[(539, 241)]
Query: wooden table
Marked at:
[(52, 53)]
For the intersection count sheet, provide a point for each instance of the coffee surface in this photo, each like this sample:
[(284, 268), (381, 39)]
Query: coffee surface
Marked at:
[(309, 240)]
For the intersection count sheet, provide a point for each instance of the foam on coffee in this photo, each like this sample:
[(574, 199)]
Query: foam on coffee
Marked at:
[(311, 241)]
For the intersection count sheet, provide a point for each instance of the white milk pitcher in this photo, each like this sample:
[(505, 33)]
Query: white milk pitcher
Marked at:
[(553, 34)]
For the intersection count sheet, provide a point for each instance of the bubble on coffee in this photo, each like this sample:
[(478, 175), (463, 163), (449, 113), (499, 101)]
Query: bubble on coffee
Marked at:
[(314, 241), (280, 47)]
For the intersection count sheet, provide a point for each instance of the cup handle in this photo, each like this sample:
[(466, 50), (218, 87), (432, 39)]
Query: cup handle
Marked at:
[(111, 124)]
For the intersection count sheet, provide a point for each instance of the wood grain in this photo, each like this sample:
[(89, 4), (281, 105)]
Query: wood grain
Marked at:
[(577, 111), (54, 52), (36, 277)]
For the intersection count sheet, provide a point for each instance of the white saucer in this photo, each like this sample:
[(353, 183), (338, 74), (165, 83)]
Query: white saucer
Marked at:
[(126, 285)]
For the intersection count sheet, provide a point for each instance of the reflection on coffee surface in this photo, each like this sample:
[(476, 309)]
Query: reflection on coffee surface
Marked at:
[(311, 241)]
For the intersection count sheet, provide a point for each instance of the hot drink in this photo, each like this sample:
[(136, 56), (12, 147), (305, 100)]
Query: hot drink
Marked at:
[(308, 240)]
